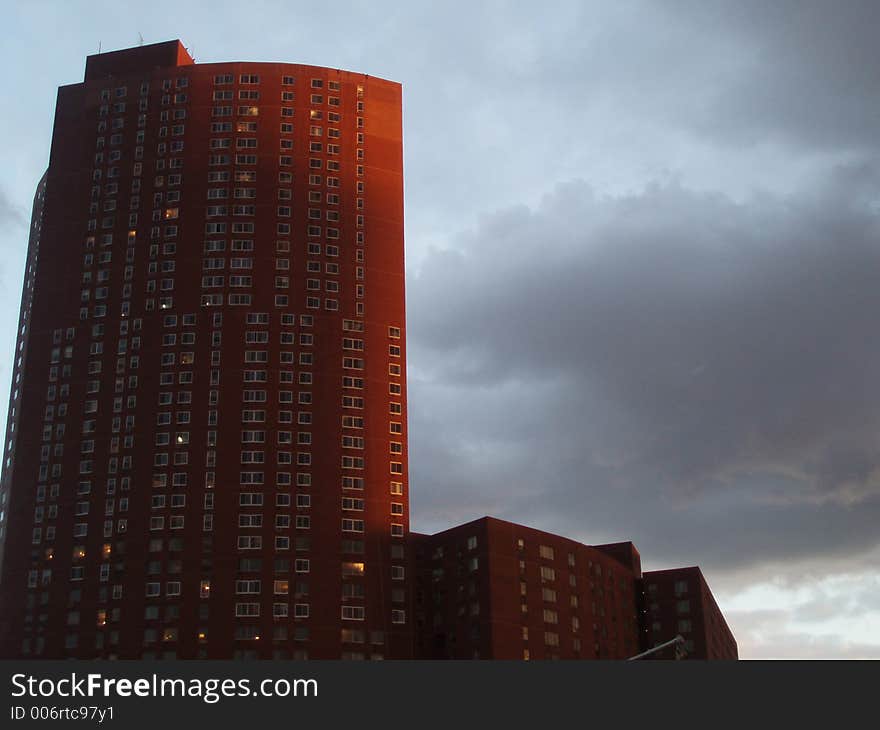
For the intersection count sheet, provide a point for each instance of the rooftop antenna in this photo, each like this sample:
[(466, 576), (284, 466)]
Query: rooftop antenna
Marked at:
[(99, 46), (140, 39)]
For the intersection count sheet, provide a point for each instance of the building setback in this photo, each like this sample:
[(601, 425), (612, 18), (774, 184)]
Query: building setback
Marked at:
[(206, 445), (492, 589), (679, 601)]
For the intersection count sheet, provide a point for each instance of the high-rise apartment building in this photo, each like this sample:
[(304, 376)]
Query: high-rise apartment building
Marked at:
[(206, 448)]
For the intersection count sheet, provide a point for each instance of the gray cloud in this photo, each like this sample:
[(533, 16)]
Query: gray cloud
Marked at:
[(696, 370), (795, 71)]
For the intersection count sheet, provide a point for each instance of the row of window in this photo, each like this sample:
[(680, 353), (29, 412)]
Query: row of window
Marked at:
[(301, 610), (223, 79)]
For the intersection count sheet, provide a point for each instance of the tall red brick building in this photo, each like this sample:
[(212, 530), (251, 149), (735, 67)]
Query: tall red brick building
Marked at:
[(206, 449)]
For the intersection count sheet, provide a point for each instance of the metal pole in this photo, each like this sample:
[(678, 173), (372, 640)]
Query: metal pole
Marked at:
[(672, 642)]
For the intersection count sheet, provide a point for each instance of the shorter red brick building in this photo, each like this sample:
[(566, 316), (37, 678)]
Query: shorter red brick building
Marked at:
[(679, 602), (491, 589)]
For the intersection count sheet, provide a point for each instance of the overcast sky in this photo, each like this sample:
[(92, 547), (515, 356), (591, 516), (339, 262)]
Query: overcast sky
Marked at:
[(643, 268)]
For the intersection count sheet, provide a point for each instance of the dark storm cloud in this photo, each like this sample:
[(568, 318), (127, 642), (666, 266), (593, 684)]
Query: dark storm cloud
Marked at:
[(696, 370), (677, 367)]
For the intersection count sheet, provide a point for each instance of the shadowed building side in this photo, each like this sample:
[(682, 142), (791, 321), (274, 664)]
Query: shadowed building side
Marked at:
[(679, 602)]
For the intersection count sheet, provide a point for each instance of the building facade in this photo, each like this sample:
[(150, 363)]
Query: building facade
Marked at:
[(491, 589), (679, 602), (206, 450)]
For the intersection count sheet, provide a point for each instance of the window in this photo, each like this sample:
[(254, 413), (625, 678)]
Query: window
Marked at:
[(247, 586), (353, 613)]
